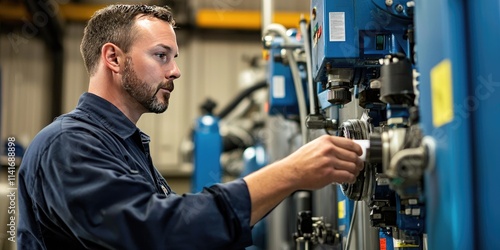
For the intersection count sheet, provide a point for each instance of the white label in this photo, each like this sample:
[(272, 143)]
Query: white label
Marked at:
[(337, 26), (279, 86), (383, 181), (364, 144), (415, 212)]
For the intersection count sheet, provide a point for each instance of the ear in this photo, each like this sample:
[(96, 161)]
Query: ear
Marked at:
[(112, 56)]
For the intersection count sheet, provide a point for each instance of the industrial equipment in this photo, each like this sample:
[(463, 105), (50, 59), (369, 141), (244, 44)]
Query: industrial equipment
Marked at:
[(363, 55), (229, 143), (207, 150), (416, 82), (417, 79)]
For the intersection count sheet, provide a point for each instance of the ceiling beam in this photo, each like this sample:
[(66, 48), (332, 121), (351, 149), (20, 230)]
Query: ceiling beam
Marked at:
[(68, 12), (13, 12), (243, 19), (204, 18)]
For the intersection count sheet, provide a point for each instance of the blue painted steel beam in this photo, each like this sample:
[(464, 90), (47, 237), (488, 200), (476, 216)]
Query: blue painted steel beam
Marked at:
[(441, 35), (483, 103)]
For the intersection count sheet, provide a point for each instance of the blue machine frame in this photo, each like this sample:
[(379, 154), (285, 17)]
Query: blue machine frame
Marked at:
[(448, 187), (358, 33), (484, 38), (282, 92), (458, 57)]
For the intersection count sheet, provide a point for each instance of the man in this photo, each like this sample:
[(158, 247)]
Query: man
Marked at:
[(87, 180)]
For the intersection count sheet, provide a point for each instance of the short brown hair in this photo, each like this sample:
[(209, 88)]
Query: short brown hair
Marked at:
[(114, 24)]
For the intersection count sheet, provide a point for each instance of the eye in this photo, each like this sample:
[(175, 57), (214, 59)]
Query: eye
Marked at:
[(161, 56)]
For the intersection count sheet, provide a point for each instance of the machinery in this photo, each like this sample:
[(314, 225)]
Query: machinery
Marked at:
[(363, 56), (339, 57), (208, 149), (228, 144), (416, 83)]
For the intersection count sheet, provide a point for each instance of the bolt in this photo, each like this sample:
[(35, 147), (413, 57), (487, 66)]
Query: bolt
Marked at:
[(399, 8), (408, 211), (389, 3), (375, 84)]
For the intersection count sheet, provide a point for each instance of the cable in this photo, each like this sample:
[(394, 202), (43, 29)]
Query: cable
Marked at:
[(349, 234), (245, 93)]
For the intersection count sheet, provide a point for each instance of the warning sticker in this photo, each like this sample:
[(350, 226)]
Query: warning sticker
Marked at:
[(442, 93), (341, 208), (337, 26)]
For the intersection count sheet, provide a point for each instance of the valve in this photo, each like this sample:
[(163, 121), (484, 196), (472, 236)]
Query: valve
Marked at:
[(316, 121), (305, 225), (313, 230)]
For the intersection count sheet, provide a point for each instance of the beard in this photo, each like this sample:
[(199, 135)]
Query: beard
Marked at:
[(141, 91)]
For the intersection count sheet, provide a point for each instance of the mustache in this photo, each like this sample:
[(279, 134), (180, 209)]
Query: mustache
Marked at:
[(168, 86)]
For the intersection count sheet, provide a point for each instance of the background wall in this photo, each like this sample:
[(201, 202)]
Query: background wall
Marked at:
[(25, 89)]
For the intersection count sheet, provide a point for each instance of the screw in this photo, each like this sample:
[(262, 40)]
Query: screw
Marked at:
[(389, 3), (399, 8)]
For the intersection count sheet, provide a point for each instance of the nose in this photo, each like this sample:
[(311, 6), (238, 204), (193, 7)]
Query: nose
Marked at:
[(174, 72)]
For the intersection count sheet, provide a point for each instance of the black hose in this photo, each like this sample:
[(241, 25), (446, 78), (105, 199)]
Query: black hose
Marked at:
[(245, 93)]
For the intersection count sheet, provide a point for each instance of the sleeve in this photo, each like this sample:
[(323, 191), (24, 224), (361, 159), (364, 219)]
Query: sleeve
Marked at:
[(106, 205)]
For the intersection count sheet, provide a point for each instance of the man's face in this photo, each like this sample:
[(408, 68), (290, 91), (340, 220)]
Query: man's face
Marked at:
[(150, 68)]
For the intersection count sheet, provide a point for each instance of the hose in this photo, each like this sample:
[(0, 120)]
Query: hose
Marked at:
[(245, 93), (281, 31)]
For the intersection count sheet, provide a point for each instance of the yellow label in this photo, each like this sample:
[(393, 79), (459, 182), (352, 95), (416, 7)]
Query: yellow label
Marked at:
[(401, 243), (341, 209), (442, 93)]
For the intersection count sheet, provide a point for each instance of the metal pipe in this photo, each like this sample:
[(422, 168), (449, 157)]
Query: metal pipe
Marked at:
[(352, 225), (407, 157), (267, 14), (307, 49), (300, 95)]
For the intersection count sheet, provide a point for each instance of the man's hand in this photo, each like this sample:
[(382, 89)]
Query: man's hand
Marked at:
[(324, 160), (316, 164)]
